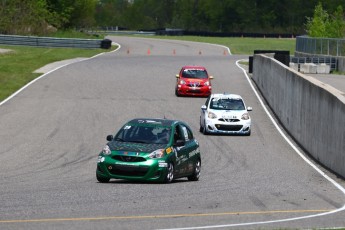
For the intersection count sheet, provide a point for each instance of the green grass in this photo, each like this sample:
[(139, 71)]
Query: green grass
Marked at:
[(17, 67)]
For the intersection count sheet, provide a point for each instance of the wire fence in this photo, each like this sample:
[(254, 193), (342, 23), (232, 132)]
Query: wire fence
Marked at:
[(321, 46)]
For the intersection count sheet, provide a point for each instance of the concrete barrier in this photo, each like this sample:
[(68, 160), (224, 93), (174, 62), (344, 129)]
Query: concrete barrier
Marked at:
[(323, 68), (308, 68), (311, 111)]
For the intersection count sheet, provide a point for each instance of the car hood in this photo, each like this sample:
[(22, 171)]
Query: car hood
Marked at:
[(134, 147), (228, 114)]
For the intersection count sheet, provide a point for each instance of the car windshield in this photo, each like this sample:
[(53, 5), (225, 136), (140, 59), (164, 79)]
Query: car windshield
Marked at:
[(195, 73), (226, 104), (148, 134)]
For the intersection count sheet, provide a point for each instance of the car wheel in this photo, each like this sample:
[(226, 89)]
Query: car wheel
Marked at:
[(201, 128), (102, 179), (176, 93), (204, 130), (196, 174), (170, 173)]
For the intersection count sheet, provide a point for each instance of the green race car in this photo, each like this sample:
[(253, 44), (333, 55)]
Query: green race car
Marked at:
[(147, 149)]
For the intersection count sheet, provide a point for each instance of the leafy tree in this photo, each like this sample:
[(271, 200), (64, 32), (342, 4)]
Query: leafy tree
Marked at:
[(60, 12), (83, 14), (111, 13), (316, 26), (23, 17), (72, 13), (324, 25), (336, 26)]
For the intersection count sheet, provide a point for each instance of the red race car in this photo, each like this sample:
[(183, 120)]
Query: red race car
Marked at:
[(193, 81)]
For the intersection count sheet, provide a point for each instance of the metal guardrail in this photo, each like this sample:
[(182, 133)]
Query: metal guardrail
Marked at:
[(320, 46), (51, 42)]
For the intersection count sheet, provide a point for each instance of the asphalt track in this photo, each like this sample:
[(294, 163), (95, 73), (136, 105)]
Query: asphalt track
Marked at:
[(51, 133)]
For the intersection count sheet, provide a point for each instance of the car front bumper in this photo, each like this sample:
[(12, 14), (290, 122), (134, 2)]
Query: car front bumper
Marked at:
[(184, 90), (215, 126), (150, 170)]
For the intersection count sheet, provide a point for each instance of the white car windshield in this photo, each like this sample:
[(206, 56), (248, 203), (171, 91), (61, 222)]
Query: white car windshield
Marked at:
[(227, 104)]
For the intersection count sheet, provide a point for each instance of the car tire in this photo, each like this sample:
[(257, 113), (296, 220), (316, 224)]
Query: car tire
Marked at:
[(102, 179), (196, 174), (204, 130), (170, 173), (176, 93), (201, 128)]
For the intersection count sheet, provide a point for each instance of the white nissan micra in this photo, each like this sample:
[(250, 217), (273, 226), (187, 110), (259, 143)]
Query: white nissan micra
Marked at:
[(225, 114)]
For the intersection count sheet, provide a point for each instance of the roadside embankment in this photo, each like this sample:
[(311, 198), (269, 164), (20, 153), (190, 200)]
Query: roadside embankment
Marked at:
[(311, 111)]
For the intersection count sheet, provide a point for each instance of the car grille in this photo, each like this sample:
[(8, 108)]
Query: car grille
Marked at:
[(228, 120), (128, 170), (194, 84), (128, 158), (229, 127), (194, 91)]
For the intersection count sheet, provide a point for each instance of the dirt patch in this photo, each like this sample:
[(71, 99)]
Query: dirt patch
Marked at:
[(5, 51)]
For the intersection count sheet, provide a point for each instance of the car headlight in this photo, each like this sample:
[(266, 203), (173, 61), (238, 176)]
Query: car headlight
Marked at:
[(159, 153), (207, 83), (245, 116), (106, 150), (182, 82), (212, 115)]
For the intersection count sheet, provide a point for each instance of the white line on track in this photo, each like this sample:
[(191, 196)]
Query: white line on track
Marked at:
[(299, 153), (45, 74)]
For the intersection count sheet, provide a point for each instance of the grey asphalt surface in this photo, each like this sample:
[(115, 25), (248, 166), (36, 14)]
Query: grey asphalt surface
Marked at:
[(51, 133)]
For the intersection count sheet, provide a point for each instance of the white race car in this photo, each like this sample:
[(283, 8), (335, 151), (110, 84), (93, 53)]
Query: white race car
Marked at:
[(225, 114)]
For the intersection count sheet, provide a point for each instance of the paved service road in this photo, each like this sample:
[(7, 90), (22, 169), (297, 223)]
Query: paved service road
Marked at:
[(52, 131)]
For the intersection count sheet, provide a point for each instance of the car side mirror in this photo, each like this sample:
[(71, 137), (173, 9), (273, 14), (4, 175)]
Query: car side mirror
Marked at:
[(177, 76), (110, 137), (179, 143), (249, 108), (211, 77), (203, 107)]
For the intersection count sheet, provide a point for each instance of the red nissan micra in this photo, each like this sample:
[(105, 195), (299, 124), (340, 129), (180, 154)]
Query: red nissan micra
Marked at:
[(193, 81)]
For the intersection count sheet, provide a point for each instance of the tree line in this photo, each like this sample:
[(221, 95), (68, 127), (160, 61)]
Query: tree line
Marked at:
[(37, 17)]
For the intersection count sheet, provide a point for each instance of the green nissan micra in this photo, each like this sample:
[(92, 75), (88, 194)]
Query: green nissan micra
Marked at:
[(146, 149)]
